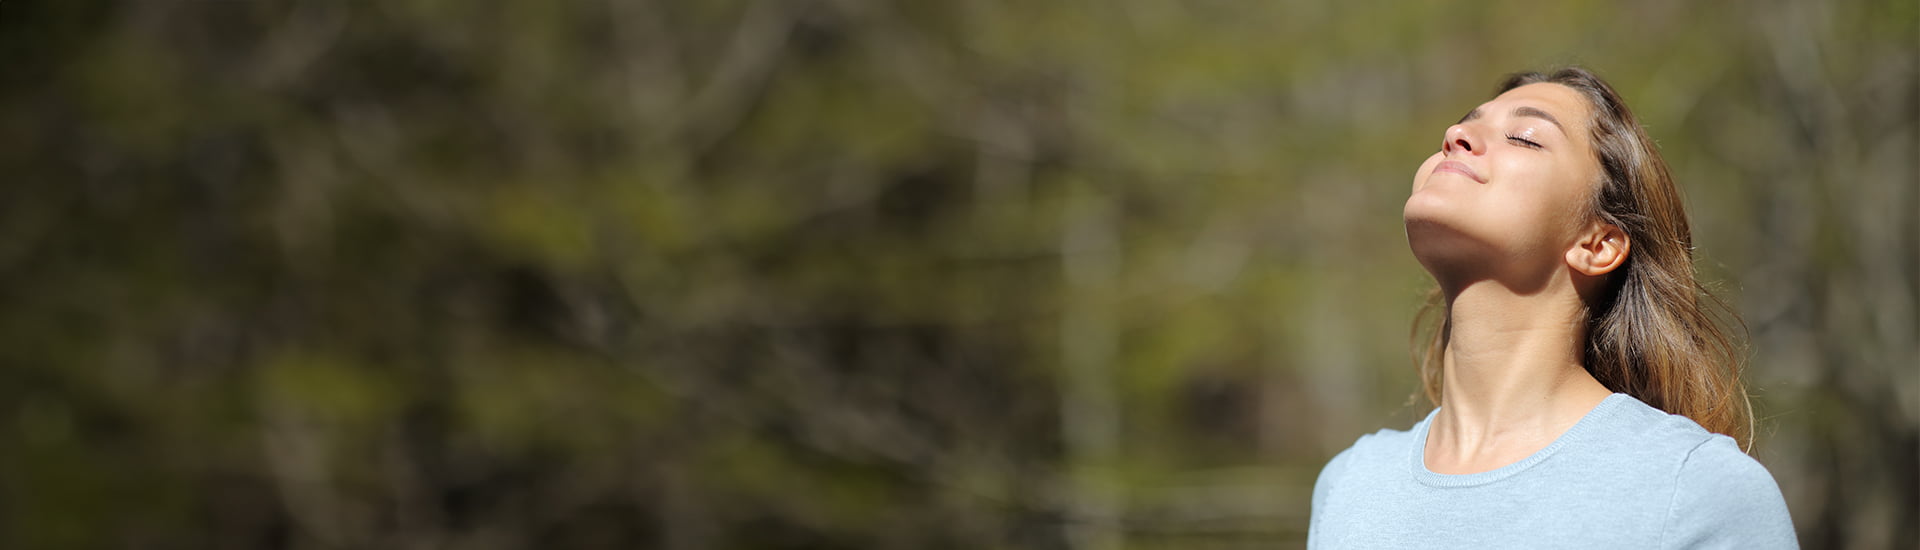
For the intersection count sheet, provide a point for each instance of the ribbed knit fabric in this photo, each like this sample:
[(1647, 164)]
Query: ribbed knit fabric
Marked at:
[(1626, 476)]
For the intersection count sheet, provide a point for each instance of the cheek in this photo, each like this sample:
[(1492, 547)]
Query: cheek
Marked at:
[(1567, 189), (1548, 196)]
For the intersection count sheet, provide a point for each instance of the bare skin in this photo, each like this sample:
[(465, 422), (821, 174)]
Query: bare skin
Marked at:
[(1499, 217)]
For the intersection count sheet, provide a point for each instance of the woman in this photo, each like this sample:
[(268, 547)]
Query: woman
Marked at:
[(1570, 327)]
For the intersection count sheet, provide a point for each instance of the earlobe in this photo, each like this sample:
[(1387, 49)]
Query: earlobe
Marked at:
[(1603, 250)]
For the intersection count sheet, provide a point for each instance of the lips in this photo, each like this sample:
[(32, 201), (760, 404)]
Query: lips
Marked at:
[(1458, 168)]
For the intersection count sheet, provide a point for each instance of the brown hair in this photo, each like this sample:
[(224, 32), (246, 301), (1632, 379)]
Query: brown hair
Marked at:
[(1651, 329)]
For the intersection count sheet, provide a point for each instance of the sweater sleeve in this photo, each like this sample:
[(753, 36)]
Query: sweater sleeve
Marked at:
[(1725, 499), (1323, 486)]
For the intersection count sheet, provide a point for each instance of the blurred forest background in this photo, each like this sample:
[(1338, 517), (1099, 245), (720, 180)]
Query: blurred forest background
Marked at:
[(694, 274)]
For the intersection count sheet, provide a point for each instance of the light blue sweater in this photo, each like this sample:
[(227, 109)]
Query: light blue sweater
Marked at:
[(1626, 476)]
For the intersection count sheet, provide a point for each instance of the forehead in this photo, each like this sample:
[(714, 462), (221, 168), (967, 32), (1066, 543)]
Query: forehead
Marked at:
[(1565, 104)]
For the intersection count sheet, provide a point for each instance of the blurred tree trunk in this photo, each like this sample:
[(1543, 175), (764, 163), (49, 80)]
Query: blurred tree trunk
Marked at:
[(1089, 405)]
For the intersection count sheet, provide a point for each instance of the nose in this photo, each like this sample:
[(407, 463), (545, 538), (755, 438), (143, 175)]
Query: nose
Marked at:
[(1459, 139)]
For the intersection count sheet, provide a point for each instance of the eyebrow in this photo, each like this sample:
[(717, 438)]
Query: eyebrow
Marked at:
[(1520, 111)]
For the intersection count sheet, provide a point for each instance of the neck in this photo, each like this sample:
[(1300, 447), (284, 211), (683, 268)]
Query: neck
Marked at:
[(1513, 379)]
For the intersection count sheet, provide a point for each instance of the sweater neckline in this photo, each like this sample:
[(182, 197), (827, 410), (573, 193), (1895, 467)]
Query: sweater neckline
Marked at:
[(1417, 460)]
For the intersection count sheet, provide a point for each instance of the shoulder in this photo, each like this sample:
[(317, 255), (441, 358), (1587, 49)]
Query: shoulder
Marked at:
[(1724, 498), (1368, 453), (1721, 497), (1719, 463), (1649, 424), (1369, 449), (1706, 491), (1698, 456), (1703, 463), (1648, 439), (1364, 458)]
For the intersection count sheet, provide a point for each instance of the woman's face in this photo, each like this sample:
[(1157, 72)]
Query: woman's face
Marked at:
[(1508, 189)]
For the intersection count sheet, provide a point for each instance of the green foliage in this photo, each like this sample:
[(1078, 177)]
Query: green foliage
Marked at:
[(853, 273)]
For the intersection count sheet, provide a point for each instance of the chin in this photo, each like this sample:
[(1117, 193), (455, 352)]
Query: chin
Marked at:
[(1429, 206), (1444, 245)]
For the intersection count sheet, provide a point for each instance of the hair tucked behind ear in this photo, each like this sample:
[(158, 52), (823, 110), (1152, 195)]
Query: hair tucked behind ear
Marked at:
[(1652, 331)]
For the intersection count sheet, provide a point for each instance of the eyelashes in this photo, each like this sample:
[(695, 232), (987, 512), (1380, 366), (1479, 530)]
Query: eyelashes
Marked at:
[(1523, 142), (1517, 140)]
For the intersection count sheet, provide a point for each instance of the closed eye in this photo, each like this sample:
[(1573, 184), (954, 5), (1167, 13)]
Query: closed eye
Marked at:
[(1524, 142)]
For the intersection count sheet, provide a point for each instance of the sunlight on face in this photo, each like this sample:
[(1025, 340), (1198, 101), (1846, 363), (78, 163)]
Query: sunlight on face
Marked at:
[(1509, 184)]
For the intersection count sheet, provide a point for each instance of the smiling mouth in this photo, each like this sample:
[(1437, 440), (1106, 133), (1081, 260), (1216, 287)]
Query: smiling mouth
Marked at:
[(1458, 167)]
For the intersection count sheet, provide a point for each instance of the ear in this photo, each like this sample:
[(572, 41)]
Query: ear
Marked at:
[(1602, 249)]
